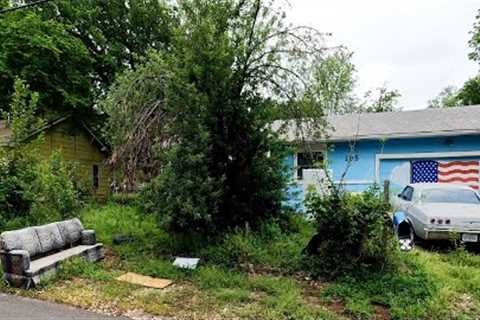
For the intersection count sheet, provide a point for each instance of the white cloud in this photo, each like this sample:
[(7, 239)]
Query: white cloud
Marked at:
[(415, 46)]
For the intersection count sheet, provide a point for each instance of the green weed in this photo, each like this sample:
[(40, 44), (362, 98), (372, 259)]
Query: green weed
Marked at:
[(156, 267), (231, 295), (215, 278), (79, 267), (405, 293)]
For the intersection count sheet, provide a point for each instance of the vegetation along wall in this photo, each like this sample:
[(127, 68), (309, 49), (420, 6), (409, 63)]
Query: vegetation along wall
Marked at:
[(76, 144)]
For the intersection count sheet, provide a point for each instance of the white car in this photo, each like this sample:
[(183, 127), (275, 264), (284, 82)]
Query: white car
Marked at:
[(435, 211)]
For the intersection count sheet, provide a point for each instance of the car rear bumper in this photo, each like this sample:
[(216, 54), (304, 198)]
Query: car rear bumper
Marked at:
[(447, 233)]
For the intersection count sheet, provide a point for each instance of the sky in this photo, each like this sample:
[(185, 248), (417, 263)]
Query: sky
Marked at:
[(415, 46)]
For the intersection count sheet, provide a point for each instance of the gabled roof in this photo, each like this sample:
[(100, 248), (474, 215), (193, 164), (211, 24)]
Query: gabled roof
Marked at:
[(405, 124), (6, 132)]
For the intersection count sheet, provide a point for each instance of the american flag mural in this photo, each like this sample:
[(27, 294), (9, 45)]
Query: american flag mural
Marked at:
[(462, 172)]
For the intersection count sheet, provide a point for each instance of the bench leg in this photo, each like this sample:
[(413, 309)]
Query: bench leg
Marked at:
[(94, 255), (18, 281)]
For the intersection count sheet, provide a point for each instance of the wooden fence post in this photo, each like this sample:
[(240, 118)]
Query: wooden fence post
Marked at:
[(386, 191)]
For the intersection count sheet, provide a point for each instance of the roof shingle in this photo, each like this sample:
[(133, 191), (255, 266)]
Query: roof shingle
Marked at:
[(405, 124)]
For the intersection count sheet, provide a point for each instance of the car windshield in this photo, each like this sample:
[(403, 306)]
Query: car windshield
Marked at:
[(450, 196)]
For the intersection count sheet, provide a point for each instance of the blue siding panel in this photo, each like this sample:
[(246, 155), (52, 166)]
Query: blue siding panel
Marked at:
[(361, 172), (364, 167)]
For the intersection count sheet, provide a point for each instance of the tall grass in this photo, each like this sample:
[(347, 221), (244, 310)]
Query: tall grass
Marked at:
[(426, 285), (273, 247)]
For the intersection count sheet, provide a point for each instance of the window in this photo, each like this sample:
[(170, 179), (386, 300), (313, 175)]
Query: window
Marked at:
[(407, 194), (95, 176), (449, 196), (308, 160)]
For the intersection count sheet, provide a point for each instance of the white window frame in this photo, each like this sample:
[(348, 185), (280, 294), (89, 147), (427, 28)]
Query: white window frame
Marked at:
[(295, 161)]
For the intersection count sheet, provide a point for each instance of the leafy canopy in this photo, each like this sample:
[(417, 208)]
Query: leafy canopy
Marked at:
[(21, 117), (333, 83), (469, 93), (116, 33), (70, 51), (44, 55), (475, 40), (450, 96), (380, 99)]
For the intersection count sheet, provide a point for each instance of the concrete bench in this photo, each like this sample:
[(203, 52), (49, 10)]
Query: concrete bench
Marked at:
[(31, 254)]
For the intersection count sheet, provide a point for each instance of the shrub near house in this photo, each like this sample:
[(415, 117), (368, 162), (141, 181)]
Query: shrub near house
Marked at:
[(36, 184), (74, 142), (353, 232)]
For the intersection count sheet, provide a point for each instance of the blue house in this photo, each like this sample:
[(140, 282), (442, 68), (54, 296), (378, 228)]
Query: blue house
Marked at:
[(363, 149)]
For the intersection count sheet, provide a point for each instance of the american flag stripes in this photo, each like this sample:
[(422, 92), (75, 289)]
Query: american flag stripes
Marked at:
[(462, 172)]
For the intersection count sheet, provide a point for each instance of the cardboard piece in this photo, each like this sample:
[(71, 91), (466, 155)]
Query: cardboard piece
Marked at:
[(145, 281)]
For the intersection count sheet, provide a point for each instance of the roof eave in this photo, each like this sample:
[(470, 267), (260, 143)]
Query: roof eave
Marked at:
[(397, 136)]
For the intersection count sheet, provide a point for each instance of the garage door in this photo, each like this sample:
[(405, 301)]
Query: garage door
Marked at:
[(400, 172), (446, 171)]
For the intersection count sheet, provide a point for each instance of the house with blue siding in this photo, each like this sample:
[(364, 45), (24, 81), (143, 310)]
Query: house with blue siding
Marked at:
[(363, 149)]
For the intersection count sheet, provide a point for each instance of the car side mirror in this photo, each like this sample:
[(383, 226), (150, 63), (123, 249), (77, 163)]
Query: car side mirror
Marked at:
[(399, 195)]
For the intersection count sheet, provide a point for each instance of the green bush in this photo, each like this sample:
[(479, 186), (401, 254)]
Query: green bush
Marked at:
[(55, 187), (353, 232), (187, 198), (34, 190), (17, 175)]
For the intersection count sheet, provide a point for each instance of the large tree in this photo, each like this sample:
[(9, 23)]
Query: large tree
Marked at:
[(205, 116), (70, 51), (475, 40), (380, 99), (117, 33), (334, 81), (448, 97), (469, 93), (52, 62), (332, 87)]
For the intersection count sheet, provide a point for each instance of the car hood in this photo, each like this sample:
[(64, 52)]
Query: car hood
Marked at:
[(457, 211)]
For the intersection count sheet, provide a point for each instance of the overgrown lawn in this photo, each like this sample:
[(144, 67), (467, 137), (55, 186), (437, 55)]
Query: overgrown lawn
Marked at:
[(256, 275)]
